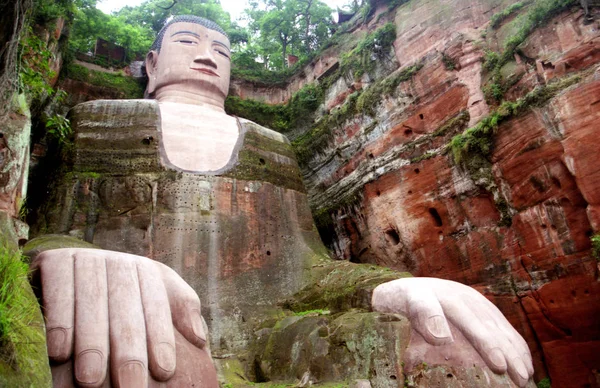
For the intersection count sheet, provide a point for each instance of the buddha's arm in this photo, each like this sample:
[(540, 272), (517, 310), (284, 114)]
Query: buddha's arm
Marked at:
[(87, 291)]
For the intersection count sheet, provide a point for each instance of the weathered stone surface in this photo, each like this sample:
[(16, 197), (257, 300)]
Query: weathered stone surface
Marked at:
[(14, 157), (242, 241), (22, 363)]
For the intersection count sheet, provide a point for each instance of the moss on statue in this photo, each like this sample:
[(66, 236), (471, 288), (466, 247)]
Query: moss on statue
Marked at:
[(53, 241), (341, 286)]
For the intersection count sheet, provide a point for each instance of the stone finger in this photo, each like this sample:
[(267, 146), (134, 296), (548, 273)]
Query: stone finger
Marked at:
[(159, 327), (91, 318), (129, 354), (55, 273)]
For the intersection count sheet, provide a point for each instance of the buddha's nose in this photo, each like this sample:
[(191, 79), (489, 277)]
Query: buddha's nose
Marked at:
[(206, 58)]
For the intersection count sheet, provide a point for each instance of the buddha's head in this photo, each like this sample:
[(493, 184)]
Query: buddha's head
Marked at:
[(190, 58)]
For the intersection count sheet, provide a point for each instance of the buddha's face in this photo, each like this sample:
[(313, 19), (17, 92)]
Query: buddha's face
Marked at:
[(193, 59)]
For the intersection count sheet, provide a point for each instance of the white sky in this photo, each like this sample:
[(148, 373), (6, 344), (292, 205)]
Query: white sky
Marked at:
[(234, 7)]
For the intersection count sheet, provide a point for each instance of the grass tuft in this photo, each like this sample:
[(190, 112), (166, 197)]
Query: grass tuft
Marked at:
[(20, 331)]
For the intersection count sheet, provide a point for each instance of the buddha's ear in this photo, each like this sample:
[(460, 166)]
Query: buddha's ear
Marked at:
[(151, 60)]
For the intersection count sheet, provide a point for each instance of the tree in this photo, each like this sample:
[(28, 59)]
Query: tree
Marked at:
[(297, 26)]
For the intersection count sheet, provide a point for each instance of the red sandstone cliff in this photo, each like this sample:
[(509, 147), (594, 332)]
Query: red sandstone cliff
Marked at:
[(515, 222)]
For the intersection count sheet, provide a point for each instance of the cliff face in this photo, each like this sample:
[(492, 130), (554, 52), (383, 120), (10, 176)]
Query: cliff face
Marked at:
[(507, 207)]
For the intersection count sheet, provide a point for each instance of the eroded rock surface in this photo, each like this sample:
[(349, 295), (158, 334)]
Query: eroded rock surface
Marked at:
[(514, 222)]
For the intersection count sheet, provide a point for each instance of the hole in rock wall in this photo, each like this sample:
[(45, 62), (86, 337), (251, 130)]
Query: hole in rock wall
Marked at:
[(421, 116), (392, 236), (417, 171), (436, 216), (1, 135), (261, 161), (556, 182), (409, 191), (378, 193), (147, 140), (589, 233), (408, 132), (393, 377), (547, 65), (370, 156), (268, 253), (449, 375)]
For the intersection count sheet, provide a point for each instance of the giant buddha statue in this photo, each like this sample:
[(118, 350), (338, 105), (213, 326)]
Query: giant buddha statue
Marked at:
[(189, 204)]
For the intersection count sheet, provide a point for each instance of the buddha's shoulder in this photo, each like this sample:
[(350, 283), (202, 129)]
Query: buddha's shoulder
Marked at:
[(259, 130), (116, 112)]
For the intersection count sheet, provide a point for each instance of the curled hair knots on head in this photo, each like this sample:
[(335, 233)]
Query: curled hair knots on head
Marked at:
[(186, 19)]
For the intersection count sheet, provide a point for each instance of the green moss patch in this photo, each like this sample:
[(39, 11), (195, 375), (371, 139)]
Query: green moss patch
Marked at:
[(53, 241), (472, 148), (254, 166), (23, 356), (539, 13), (478, 140), (276, 117), (499, 17), (127, 86), (341, 286), (371, 48), (596, 246)]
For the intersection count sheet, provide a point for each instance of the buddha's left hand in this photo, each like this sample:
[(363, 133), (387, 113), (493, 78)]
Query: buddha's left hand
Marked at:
[(431, 304)]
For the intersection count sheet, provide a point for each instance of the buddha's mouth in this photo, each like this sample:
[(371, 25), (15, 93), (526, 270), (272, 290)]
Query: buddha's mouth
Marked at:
[(206, 71)]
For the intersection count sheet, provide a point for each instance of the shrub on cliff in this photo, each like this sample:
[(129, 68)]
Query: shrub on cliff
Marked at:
[(596, 246)]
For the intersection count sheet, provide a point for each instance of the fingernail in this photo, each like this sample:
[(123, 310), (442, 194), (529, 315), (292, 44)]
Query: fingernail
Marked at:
[(520, 368), (89, 367), (497, 359), (56, 342), (197, 326), (438, 327), (165, 356), (133, 375)]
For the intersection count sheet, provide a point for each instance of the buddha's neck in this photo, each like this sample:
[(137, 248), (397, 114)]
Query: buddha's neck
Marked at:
[(190, 98)]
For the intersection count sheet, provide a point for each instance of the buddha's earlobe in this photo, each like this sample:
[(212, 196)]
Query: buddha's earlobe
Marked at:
[(151, 59)]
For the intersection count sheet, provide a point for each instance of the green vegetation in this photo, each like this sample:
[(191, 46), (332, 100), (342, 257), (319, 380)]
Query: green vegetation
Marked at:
[(45, 12), (59, 127), (21, 331), (312, 312), (368, 100), (544, 383), (128, 86), (373, 47), (537, 14), (472, 148), (275, 117), (596, 246), (499, 17), (449, 63), (35, 73), (363, 102), (478, 139), (341, 286)]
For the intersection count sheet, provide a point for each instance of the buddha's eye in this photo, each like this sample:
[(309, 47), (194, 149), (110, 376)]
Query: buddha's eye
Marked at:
[(222, 52), (185, 41)]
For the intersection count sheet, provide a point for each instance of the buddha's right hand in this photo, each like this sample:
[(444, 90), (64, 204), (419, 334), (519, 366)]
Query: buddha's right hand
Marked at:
[(87, 291)]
